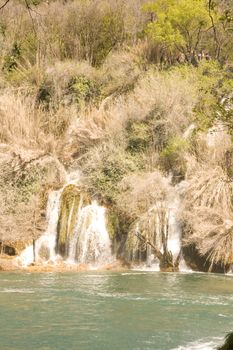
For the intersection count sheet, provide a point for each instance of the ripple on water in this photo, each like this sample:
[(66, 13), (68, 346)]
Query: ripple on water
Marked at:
[(23, 291), (122, 310)]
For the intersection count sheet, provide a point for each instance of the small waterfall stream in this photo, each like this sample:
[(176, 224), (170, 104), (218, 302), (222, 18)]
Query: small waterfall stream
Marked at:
[(76, 231), (91, 241), (160, 222), (45, 245)]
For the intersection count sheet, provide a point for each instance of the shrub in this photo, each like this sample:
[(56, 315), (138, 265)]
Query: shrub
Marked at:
[(105, 166), (10, 60), (138, 136), (173, 157)]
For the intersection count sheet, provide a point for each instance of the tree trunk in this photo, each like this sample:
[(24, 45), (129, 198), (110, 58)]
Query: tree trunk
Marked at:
[(166, 263)]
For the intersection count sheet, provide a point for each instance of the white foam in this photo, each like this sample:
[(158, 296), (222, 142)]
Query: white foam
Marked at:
[(23, 291), (201, 344)]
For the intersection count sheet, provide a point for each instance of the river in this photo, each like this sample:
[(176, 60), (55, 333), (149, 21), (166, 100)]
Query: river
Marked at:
[(114, 310)]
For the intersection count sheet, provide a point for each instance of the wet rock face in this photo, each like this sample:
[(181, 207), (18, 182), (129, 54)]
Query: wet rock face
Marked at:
[(13, 248), (8, 250), (71, 201), (228, 345), (200, 263)]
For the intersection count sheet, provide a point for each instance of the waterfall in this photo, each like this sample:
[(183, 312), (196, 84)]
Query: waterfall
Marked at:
[(174, 234), (91, 243), (45, 245), (165, 223), (160, 224), (76, 231)]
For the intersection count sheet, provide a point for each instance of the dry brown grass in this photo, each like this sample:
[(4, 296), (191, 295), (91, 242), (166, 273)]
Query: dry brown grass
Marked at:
[(140, 192), (26, 126), (25, 178), (208, 204), (20, 123), (167, 98), (211, 188), (24, 223), (212, 233)]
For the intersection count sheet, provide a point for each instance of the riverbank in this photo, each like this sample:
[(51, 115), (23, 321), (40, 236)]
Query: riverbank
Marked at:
[(12, 264)]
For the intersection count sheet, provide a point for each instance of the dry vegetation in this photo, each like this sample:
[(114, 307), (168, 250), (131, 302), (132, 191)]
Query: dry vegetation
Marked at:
[(208, 202)]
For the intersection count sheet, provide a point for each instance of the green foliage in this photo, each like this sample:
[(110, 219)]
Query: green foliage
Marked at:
[(29, 46), (136, 113), (228, 342), (10, 60), (214, 84), (83, 89), (138, 136), (109, 35), (112, 223), (69, 205), (107, 168), (72, 199), (178, 24), (44, 94), (225, 112), (173, 157)]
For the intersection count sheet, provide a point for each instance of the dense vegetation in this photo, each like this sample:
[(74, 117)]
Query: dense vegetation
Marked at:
[(128, 92)]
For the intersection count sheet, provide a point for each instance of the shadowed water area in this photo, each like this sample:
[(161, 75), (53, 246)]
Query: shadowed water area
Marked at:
[(109, 310)]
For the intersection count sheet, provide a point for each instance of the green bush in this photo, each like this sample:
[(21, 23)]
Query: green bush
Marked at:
[(214, 84), (172, 158), (10, 60), (83, 89), (105, 168), (139, 136)]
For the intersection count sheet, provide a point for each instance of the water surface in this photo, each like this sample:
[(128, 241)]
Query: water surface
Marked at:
[(109, 310)]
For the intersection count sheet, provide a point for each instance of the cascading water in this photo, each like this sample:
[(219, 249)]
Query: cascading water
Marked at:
[(161, 227), (168, 225), (45, 245), (91, 241), (76, 231)]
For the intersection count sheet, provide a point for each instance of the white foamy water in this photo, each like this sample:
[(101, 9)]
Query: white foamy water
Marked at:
[(21, 291), (154, 267), (45, 245), (91, 242), (174, 229), (201, 344)]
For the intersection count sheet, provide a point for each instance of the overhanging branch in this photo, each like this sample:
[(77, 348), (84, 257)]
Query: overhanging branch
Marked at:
[(6, 2)]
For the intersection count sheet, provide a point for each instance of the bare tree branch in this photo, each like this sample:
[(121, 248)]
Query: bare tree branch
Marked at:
[(6, 2), (217, 53), (29, 9)]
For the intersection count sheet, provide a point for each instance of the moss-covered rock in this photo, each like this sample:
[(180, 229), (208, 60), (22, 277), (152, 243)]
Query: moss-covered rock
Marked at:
[(72, 199), (112, 223)]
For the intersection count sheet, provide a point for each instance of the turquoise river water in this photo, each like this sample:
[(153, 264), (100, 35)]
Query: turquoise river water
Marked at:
[(113, 310)]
